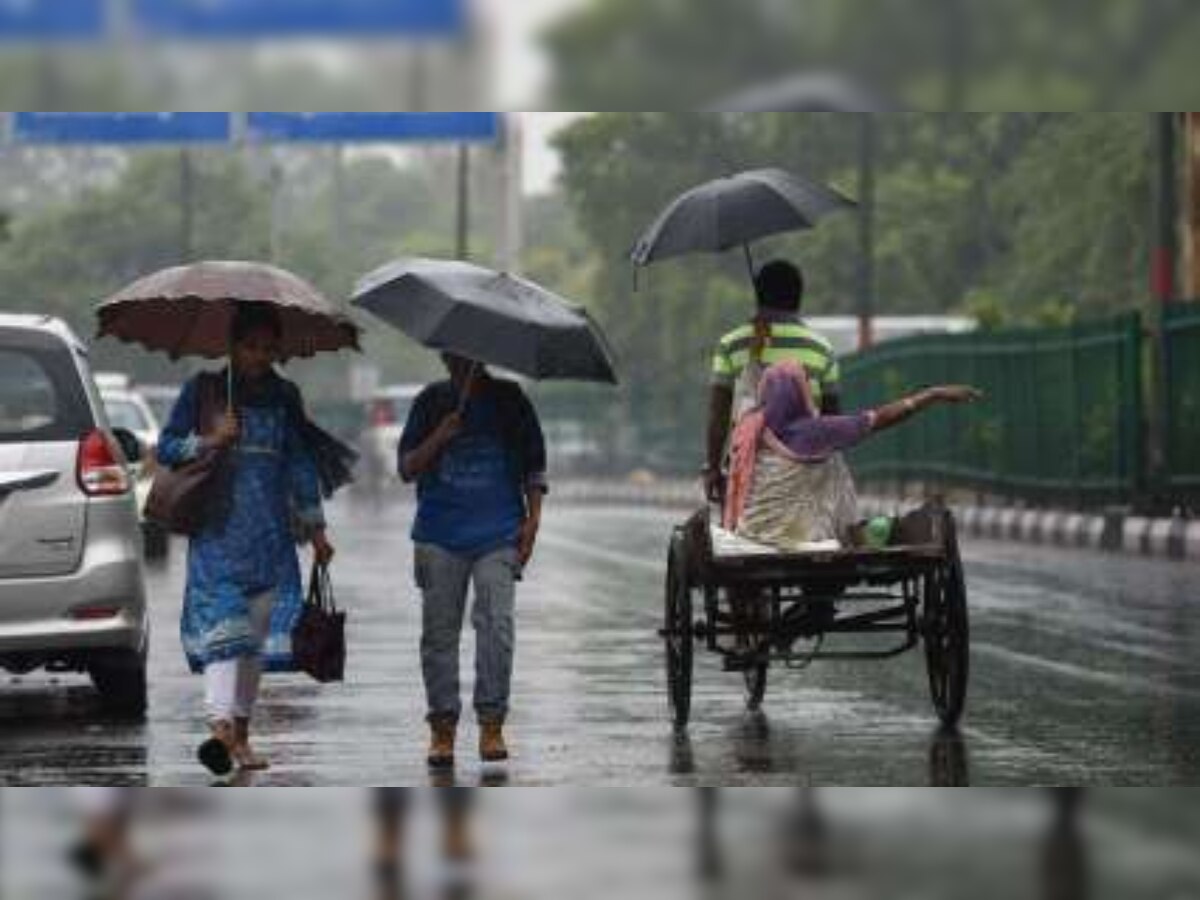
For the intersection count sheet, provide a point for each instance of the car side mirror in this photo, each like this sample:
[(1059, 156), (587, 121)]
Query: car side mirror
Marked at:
[(130, 445)]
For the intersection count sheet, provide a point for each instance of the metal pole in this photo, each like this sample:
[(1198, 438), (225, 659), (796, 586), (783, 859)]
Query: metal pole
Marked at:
[(186, 196), (866, 229), (1163, 293), (1191, 207), (510, 238), (276, 218), (463, 229), (1166, 246), (339, 199)]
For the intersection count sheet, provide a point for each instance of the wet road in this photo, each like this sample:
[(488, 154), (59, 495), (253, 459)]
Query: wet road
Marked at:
[(1085, 671)]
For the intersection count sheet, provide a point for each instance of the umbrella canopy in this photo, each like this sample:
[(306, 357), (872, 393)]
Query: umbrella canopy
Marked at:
[(187, 310), (736, 211), (490, 317)]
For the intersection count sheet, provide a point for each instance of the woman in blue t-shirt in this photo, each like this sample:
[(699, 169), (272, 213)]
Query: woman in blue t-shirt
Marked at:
[(474, 446)]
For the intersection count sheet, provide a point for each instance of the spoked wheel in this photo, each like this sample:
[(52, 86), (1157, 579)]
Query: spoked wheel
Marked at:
[(947, 633), (756, 686), (677, 632)]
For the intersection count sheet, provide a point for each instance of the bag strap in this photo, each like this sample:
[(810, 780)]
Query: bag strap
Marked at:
[(320, 589), (209, 401)]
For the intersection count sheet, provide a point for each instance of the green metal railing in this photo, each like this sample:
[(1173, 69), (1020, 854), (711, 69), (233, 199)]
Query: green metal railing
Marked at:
[(1062, 420), (1182, 326)]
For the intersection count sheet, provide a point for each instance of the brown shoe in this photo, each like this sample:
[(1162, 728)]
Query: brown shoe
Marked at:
[(244, 756), (441, 744), (491, 742)]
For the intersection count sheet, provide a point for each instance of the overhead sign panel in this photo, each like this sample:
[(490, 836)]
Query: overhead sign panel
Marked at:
[(336, 127), (121, 128), (50, 20), (225, 19)]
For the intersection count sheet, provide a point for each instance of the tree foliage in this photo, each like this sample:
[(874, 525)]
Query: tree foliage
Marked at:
[(1024, 218), (63, 252)]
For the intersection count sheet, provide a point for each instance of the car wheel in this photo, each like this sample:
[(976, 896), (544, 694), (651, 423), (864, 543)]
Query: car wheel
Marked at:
[(121, 681), (156, 542)]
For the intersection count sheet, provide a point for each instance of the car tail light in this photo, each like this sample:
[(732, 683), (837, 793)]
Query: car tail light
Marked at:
[(101, 472), (95, 613)]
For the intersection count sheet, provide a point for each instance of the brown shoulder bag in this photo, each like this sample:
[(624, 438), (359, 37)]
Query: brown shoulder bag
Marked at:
[(185, 499)]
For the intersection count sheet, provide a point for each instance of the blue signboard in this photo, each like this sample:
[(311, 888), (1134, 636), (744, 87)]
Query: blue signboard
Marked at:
[(121, 128), (218, 19), (340, 127), (50, 20)]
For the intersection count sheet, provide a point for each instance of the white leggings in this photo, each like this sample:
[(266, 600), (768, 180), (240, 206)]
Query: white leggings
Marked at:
[(231, 685)]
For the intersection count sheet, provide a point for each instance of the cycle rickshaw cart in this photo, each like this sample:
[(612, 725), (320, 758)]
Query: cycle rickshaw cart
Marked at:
[(752, 606)]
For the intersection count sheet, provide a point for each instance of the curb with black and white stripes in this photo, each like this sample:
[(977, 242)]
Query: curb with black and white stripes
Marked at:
[(1112, 532)]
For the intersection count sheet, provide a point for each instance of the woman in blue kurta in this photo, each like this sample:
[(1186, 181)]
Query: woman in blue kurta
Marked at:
[(244, 589)]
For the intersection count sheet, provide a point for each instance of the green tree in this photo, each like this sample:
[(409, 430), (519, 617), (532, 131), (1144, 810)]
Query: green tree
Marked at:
[(1024, 218)]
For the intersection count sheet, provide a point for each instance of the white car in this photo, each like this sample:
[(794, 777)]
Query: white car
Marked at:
[(387, 411), (128, 409), (72, 597)]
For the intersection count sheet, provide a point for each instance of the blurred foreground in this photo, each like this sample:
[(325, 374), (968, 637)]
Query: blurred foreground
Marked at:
[(842, 842)]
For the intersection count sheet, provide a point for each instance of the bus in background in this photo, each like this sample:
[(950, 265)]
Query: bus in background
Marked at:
[(845, 334)]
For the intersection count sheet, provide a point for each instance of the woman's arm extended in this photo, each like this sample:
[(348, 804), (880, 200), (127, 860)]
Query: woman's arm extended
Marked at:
[(894, 413)]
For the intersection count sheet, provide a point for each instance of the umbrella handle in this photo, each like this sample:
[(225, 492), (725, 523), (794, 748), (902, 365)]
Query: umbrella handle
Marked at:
[(749, 260), (466, 391), (229, 405)]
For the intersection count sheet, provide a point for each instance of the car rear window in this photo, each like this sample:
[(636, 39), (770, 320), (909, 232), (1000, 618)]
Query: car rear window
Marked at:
[(41, 397)]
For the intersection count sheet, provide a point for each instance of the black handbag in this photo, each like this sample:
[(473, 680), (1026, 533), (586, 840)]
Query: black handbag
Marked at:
[(319, 637)]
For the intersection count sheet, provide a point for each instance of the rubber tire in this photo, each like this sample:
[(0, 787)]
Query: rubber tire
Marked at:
[(756, 686), (677, 623), (121, 681), (156, 542), (947, 634)]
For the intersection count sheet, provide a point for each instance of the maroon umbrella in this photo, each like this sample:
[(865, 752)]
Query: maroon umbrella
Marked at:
[(187, 310)]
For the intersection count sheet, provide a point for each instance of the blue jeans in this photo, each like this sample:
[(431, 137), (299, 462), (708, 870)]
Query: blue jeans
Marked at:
[(444, 579)]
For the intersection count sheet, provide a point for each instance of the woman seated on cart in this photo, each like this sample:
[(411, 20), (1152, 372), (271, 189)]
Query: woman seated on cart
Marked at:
[(789, 487)]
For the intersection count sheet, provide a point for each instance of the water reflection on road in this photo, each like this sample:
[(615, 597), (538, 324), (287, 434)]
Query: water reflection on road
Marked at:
[(1084, 672)]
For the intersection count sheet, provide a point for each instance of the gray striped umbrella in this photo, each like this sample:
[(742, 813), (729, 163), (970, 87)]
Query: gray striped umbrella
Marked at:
[(187, 310)]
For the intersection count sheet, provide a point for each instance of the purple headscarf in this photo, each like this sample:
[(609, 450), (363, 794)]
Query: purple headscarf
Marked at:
[(788, 421), (792, 418)]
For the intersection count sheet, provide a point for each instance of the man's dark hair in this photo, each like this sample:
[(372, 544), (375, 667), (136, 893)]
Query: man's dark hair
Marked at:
[(779, 285), (252, 317)]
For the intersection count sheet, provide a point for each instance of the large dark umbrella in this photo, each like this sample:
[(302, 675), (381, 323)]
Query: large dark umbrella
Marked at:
[(735, 212), (490, 317), (187, 310)]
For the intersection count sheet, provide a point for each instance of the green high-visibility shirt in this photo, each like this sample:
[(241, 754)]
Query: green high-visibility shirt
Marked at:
[(789, 340)]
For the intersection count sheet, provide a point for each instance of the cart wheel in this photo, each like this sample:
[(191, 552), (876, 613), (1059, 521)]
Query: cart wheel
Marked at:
[(947, 633), (756, 686), (677, 629)]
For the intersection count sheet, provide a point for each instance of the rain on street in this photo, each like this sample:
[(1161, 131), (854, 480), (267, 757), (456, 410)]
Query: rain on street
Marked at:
[(1082, 673)]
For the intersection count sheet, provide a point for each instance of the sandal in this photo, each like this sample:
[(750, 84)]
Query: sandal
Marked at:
[(249, 761), (214, 754)]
